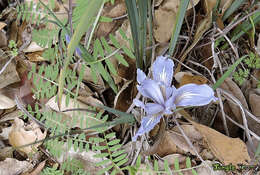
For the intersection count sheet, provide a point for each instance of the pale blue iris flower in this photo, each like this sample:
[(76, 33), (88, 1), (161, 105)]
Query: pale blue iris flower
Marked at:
[(165, 97), (67, 38)]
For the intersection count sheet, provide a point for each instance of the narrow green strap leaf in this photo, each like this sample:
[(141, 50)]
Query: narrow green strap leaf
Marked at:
[(85, 22), (227, 73), (177, 28), (234, 6)]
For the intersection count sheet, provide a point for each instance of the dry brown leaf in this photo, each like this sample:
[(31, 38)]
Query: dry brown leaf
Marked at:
[(19, 137), (88, 77), (35, 56), (6, 102), (88, 159), (127, 29), (111, 10), (254, 101), (173, 5), (164, 23), (123, 99), (173, 142), (227, 150), (187, 77), (230, 86), (2, 25), (33, 47), (210, 4), (89, 119), (143, 170), (12, 166), (9, 75), (39, 168), (3, 39)]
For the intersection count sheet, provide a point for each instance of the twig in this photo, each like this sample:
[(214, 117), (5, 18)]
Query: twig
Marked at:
[(243, 116), (190, 144)]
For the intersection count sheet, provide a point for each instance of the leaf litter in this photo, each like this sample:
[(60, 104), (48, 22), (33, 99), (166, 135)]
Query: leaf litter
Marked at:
[(198, 48)]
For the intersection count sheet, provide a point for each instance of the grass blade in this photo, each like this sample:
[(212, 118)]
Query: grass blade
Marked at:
[(234, 6), (85, 22), (177, 28), (227, 73)]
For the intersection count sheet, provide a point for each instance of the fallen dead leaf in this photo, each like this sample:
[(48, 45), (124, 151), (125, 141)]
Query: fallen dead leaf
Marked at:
[(254, 101), (84, 119), (9, 75), (112, 11), (6, 102), (127, 29), (172, 142), (12, 166), (39, 168), (230, 86), (35, 56), (174, 5), (163, 25), (19, 137), (88, 159), (186, 78), (33, 47), (2, 25), (144, 170), (3, 39), (210, 4), (227, 150)]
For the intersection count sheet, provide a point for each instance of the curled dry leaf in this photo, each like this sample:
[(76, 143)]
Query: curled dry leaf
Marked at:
[(174, 5), (127, 29), (230, 86), (12, 166), (187, 77), (227, 150), (19, 136), (9, 75), (172, 142), (2, 25), (6, 102), (163, 26), (165, 18), (144, 170), (87, 119), (88, 77), (33, 47), (88, 159), (210, 4), (112, 11), (35, 56), (254, 101)]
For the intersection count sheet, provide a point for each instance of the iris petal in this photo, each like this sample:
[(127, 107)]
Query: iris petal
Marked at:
[(194, 95), (140, 76), (169, 105), (163, 70), (153, 108), (151, 89), (147, 124), (139, 103)]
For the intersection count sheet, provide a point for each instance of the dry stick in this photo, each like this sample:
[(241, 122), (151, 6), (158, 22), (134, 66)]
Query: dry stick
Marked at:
[(20, 106), (192, 28), (10, 60), (243, 116), (217, 62), (229, 42), (241, 126), (190, 144), (232, 25)]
